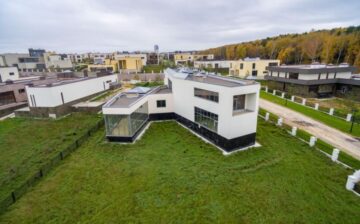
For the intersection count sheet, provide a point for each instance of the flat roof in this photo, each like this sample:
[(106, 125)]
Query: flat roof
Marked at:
[(196, 76), (66, 81), (126, 99), (311, 69)]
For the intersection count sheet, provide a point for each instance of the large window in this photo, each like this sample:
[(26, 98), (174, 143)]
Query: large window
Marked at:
[(160, 103), (239, 103), (253, 65), (206, 94), (126, 125), (241, 65), (206, 119), (293, 75)]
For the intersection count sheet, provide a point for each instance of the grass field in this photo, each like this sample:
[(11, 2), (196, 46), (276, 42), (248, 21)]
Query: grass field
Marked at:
[(342, 105), (332, 121), (26, 144), (171, 176)]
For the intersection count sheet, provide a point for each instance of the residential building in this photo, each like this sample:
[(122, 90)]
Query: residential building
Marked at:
[(221, 110), (122, 56), (36, 52), (9, 73), (251, 68), (99, 58), (183, 58), (56, 99), (315, 80), (78, 58), (212, 64), (59, 62), (109, 66), (31, 64), (203, 57), (130, 64), (11, 59)]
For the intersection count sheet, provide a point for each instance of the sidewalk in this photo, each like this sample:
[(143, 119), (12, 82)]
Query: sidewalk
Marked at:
[(328, 134)]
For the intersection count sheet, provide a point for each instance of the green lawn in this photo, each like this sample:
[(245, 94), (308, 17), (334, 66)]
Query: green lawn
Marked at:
[(332, 121), (154, 68), (171, 176), (27, 144)]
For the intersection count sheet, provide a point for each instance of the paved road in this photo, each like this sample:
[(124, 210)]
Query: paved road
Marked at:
[(328, 134)]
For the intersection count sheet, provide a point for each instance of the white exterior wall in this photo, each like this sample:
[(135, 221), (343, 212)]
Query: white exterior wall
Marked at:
[(5, 74), (51, 96), (343, 75), (308, 76), (229, 126), (56, 61), (205, 64), (153, 109)]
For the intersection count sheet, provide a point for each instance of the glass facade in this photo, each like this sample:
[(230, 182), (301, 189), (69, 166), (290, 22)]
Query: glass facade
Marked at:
[(126, 125), (206, 119), (206, 94)]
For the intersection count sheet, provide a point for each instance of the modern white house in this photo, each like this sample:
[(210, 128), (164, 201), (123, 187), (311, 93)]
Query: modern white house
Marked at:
[(221, 110), (8, 73), (56, 99)]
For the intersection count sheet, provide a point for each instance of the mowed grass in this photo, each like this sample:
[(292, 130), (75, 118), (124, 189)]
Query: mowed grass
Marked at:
[(27, 144), (171, 176), (329, 120)]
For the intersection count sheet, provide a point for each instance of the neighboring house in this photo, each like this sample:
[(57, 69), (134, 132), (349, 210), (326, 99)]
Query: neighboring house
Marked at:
[(78, 58), (56, 99), (11, 59), (212, 64), (183, 58), (8, 73), (315, 80), (130, 64), (59, 62), (109, 66), (221, 110), (124, 56), (99, 58), (251, 68), (203, 57)]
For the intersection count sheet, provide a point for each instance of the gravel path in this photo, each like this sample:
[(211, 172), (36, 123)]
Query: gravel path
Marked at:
[(328, 134)]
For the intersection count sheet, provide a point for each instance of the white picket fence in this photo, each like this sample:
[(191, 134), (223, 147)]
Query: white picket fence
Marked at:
[(331, 111)]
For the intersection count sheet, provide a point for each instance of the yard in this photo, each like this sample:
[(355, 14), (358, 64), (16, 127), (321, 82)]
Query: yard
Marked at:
[(329, 120), (26, 144), (171, 176), (342, 105)]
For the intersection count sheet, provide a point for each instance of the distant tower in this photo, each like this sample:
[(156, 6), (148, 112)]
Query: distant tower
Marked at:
[(156, 48)]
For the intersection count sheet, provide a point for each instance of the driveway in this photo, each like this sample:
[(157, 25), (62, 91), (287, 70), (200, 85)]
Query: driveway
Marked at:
[(328, 134)]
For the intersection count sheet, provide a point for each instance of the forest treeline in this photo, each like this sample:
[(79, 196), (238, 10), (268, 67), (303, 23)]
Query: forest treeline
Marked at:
[(333, 46)]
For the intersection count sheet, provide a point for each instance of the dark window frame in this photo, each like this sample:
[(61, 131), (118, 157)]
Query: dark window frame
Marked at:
[(161, 103), (206, 94)]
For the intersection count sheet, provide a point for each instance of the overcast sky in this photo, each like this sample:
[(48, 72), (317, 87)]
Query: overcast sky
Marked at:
[(70, 26)]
